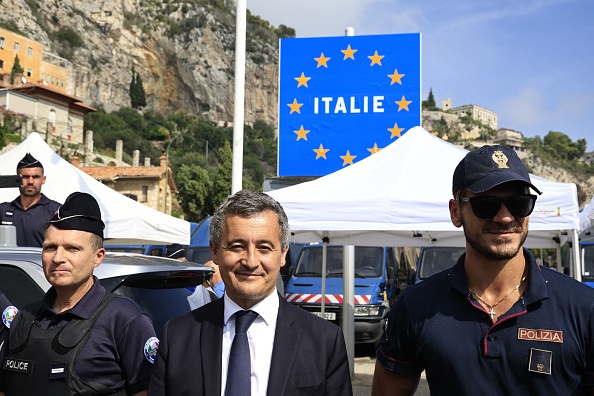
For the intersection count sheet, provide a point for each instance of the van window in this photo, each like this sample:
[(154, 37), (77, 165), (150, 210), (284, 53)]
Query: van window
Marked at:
[(368, 262), (437, 259)]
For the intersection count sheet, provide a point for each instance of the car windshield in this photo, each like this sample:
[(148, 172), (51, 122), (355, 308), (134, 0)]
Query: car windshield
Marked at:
[(159, 304), (368, 262)]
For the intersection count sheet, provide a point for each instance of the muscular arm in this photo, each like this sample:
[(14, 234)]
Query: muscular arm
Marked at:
[(393, 384)]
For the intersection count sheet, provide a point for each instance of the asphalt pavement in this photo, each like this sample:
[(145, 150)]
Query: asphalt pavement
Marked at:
[(364, 367)]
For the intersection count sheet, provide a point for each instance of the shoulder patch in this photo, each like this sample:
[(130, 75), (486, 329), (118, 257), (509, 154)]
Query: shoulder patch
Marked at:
[(8, 315), (150, 349)]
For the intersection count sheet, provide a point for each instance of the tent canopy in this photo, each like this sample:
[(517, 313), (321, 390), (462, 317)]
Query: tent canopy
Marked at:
[(399, 197), (126, 221)]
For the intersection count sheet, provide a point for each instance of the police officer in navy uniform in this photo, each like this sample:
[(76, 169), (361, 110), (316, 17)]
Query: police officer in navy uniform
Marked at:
[(31, 210), (8, 313), (496, 323), (79, 339)]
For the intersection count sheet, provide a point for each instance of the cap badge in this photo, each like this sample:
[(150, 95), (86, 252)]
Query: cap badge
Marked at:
[(500, 159)]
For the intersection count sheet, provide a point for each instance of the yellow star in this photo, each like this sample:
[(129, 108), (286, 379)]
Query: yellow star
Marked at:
[(376, 59), (302, 133), (395, 131), (348, 158), (374, 149), (321, 152), (349, 53), (322, 61), (302, 80), (396, 77), (296, 107), (403, 103)]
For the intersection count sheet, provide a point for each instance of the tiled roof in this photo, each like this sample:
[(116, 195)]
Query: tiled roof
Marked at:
[(118, 172)]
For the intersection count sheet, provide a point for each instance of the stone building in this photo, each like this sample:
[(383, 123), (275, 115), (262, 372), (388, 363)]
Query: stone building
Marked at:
[(38, 66), (478, 113), (510, 138), (152, 186), (38, 95)]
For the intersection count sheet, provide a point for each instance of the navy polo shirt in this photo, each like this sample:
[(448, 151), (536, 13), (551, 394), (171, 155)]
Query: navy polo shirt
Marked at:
[(544, 345), (30, 224), (114, 354)]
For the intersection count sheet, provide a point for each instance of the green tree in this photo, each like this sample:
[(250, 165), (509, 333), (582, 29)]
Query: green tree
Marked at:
[(132, 89), (223, 177), (195, 192), (16, 69), (284, 31), (560, 146), (141, 95), (137, 94), (429, 104)]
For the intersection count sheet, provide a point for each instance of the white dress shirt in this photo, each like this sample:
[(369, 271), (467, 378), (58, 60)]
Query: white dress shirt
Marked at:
[(260, 337)]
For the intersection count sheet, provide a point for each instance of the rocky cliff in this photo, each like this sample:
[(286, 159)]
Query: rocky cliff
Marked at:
[(183, 51)]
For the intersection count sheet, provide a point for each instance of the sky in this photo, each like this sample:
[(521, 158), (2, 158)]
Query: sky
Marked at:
[(529, 61)]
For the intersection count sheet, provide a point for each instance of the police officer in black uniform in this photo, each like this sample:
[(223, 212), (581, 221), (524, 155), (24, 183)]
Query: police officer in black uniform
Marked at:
[(31, 210), (79, 339), (8, 313)]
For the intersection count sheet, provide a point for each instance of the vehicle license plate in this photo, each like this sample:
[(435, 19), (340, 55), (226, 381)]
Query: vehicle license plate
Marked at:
[(327, 315)]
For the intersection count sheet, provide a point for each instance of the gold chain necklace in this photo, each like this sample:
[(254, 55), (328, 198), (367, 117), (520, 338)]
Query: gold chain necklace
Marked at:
[(491, 312)]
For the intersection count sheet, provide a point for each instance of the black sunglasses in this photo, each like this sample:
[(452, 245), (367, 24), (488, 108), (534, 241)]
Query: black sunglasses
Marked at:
[(486, 207)]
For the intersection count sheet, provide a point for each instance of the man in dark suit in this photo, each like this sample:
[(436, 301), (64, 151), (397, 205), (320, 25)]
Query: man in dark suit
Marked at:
[(249, 238)]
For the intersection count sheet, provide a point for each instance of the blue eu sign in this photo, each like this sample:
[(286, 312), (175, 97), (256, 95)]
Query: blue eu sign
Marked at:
[(345, 98)]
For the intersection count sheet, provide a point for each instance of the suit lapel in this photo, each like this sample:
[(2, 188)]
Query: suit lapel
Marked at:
[(284, 351), (211, 347)]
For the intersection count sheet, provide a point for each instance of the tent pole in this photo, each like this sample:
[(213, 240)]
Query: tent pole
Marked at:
[(348, 302), (575, 255), (325, 241)]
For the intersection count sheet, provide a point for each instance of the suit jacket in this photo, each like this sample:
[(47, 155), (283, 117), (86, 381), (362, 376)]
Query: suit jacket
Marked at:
[(308, 357)]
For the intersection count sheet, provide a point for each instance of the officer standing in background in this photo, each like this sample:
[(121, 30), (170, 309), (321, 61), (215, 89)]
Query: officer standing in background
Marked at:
[(79, 339), (31, 210)]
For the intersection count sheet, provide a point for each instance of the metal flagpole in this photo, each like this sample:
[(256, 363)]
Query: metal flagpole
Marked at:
[(238, 110)]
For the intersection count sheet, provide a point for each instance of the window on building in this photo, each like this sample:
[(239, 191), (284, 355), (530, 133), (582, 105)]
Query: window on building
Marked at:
[(132, 196), (144, 194), (30, 51), (16, 47), (2, 42), (1, 64), (29, 73)]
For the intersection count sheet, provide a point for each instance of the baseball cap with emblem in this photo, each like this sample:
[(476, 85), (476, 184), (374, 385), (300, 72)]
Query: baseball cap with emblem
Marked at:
[(488, 167), (29, 161), (81, 212)]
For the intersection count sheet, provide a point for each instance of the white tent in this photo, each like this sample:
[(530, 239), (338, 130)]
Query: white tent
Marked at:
[(586, 217), (126, 221), (399, 197)]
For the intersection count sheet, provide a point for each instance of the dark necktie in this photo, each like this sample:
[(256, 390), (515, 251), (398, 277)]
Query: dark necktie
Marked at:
[(239, 371)]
